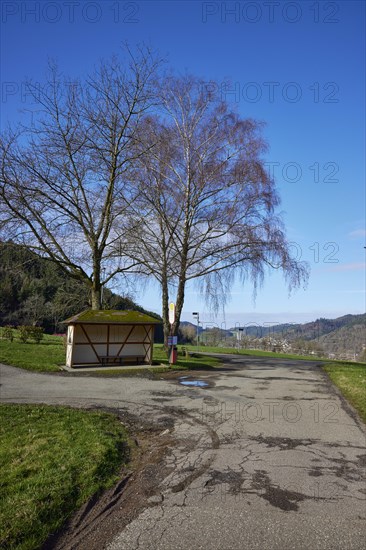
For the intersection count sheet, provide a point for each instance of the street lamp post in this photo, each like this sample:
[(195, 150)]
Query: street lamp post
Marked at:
[(240, 333), (197, 316)]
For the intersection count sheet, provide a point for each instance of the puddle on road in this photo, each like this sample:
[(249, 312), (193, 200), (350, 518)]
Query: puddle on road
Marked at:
[(196, 383)]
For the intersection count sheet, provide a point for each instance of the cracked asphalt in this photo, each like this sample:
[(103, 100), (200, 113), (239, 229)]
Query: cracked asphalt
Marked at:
[(269, 455)]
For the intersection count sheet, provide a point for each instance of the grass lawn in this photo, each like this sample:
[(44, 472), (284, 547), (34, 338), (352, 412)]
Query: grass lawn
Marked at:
[(52, 459), (254, 352), (192, 361), (49, 355), (46, 356), (351, 380)]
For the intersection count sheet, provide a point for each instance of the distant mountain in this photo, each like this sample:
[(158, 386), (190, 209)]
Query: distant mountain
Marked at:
[(306, 331), (342, 338), (34, 290), (191, 325), (349, 339)]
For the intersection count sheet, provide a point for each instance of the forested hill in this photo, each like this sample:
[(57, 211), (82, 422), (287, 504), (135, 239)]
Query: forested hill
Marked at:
[(318, 328), (36, 291), (344, 337)]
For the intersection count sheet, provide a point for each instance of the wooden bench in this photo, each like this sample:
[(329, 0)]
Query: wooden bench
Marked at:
[(120, 360)]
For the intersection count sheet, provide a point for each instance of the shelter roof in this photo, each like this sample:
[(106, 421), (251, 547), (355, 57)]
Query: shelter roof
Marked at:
[(111, 317)]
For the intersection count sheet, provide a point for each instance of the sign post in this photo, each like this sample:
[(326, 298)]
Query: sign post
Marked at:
[(171, 313), (172, 340), (196, 315)]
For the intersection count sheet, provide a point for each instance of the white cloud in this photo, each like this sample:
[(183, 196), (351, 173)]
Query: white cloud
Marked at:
[(357, 233)]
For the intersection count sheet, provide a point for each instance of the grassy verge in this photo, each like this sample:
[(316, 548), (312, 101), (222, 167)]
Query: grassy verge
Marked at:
[(52, 459), (351, 380), (47, 356), (254, 352), (192, 361)]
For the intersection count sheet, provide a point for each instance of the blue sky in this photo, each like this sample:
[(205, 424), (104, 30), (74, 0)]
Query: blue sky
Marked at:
[(298, 66)]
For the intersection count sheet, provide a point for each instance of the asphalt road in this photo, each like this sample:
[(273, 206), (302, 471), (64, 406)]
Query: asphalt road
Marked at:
[(267, 456)]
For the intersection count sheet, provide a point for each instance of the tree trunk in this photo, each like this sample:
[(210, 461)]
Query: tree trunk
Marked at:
[(165, 312), (182, 276), (96, 297), (96, 284), (179, 305)]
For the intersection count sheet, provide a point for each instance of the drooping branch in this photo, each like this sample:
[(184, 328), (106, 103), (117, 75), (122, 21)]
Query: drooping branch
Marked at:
[(206, 199)]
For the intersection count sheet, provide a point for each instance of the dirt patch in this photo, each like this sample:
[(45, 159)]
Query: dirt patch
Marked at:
[(280, 498), (315, 472), (95, 525), (283, 443), (347, 470), (362, 460), (231, 477), (260, 485), (161, 399), (104, 516)]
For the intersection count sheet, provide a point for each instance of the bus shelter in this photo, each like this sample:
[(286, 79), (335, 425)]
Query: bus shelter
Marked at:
[(109, 337)]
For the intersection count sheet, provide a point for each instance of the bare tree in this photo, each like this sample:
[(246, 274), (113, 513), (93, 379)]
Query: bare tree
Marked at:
[(207, 207), (187, 333), (64, 183)]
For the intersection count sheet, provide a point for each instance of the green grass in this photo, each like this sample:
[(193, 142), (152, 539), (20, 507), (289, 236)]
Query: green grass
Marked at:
[(52, 459), (254, 352), (351, 380), (47, 356), (192, 361)]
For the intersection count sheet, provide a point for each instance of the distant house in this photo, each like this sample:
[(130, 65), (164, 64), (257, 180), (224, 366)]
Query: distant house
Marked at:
[(109, 337)]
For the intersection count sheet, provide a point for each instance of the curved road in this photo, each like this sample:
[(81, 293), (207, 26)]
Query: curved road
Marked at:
[(267, 456)]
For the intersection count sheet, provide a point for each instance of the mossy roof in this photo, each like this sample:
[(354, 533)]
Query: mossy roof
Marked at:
[(111, 317)]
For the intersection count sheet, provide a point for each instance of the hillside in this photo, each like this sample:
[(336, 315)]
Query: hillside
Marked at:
[(34, 290), (342, 338), (305, 331), (350, 339)]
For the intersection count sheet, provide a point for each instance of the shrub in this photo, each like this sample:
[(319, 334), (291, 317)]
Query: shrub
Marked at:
[(8, 333), (26, 332), (36, 333)]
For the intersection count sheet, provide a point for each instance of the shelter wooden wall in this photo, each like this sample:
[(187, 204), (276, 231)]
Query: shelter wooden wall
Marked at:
[(88, 343)]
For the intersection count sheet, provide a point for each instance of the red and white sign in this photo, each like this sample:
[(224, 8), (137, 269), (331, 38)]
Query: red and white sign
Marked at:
[(171, 313)]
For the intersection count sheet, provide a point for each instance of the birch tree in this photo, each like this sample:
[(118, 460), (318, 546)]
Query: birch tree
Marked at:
[(64, 185), (207, 208)]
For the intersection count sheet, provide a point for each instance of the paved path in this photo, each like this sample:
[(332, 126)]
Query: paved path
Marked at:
[(268, 456)]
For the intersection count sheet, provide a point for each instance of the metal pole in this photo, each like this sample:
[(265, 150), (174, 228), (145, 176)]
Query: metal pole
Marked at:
[(198, 332), (197, 316)]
